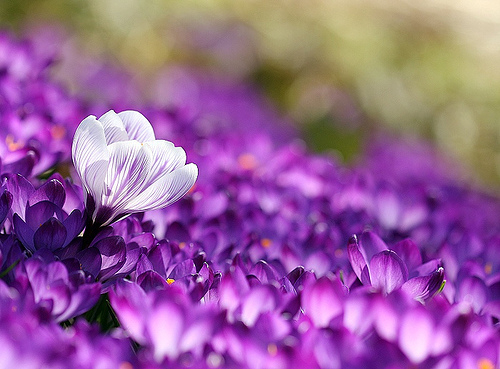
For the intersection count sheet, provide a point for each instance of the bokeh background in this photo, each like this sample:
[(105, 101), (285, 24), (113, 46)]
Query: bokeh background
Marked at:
[(342, 70)]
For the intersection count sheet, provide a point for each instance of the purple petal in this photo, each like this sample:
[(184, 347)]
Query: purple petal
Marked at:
[(177, 232), (131, 304), (160, 257), (356, 258), (260, 299), (387, 271), (371, 244), (21, 189), (144, 264), (5, 204), (74, 224), (24, 232), (183, 269), (473, 291), (264, 272), (409, 252), (150, 280), (423, 288), (113, 254), (50, 235), (82, 300), (90, 260), (133, 254), (416, 335), (165, 327), (323, 301), (52, 191), (40, 212)]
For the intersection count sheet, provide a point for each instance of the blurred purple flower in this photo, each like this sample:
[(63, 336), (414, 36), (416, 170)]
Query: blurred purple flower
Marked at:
[(376, 265)]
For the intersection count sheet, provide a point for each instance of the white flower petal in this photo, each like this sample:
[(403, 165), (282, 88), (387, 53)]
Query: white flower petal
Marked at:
[(125, 169), (166, 190), (129, 165), (166, 158), (114, 130), (137, 126), (90, 155)]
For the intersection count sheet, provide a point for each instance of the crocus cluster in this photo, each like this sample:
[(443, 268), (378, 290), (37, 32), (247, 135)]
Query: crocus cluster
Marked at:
[(254, 254)]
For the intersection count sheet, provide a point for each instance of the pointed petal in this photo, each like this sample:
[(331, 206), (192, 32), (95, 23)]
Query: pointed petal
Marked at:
[(24, 232), (90, 260), (129, 164), (91, 156), (416, 335), (52, 191), (114, 130), (150, 281), (39, 213), (356, 258), (371, 244), (165, 158), (50, 235), (113, 254), (387, 271), (74, 224), (409, 252), (423, 288), (322, 301), (473, 291), (21, 189), (131, 305), (165, 326), (167, 190), (137, 126)]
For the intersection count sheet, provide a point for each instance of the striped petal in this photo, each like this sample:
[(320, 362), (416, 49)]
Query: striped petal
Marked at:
[(129, 166), (114, 130), (137, 126), (166, 190), (90, 155)]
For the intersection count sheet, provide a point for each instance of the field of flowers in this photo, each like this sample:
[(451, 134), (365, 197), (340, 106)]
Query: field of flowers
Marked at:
[(197, 230)]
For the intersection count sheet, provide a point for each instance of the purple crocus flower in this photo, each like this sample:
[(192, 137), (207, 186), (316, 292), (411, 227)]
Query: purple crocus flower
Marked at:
[(39, 216), (124, 169), (49, 285), (163, 321), (376, 265)]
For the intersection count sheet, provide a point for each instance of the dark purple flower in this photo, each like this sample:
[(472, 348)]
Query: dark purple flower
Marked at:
[(39, 216), (64, 294)]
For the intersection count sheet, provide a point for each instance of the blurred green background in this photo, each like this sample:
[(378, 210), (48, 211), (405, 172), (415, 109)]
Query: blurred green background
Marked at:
[(339, 68)]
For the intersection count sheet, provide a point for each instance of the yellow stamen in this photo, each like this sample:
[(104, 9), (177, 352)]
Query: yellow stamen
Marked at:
[(247, 161), (170, 280), (126, 365), (488, 268), (266, 242), (12, 145), (272, 349), (485, 363), (58, 132)]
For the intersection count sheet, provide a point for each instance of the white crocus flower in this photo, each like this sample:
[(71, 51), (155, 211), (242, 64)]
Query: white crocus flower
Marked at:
[(124, 169)]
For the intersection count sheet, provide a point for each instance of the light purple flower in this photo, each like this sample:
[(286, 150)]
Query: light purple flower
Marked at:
[(387, 270), (124, 169)]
